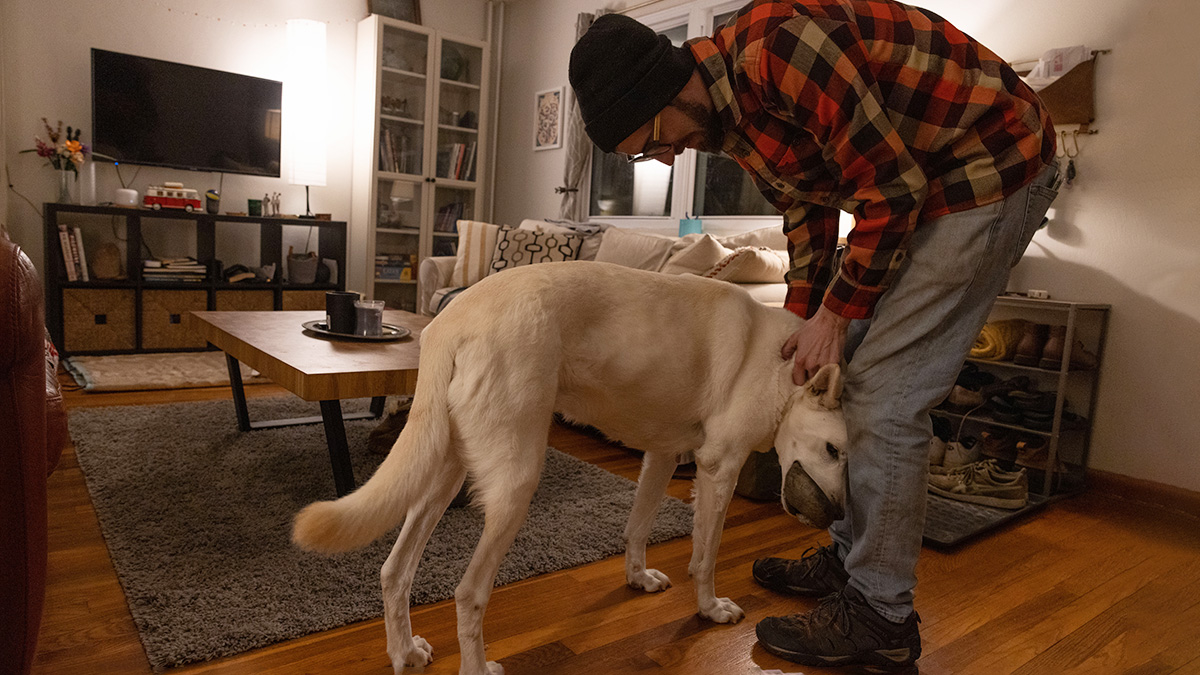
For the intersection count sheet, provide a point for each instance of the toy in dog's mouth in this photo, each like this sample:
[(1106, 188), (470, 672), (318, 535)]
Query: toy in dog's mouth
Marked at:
[(805, 500)]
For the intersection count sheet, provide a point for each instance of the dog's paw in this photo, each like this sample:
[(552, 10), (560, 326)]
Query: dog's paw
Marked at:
[(648, 580), (414, 655), (494, 668), (722, 610)]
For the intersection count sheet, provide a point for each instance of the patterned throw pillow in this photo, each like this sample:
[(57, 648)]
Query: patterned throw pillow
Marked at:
[(516, 247)]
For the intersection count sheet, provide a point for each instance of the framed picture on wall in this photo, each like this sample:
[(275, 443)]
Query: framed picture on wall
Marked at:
[(405, 10), (547, 130)]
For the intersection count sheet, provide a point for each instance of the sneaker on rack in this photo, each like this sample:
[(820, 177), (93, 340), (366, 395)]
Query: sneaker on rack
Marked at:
[(983, 483), (993, 466), (817, 573), (961, 452), (937, 451), (843, 630)]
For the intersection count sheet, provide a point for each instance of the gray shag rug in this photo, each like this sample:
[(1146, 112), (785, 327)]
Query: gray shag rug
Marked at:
[(197, 518)]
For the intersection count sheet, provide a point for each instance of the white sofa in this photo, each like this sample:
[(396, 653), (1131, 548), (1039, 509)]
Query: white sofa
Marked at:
[(756, 260)]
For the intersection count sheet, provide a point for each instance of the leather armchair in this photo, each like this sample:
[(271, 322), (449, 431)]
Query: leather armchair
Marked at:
[(33, 432)]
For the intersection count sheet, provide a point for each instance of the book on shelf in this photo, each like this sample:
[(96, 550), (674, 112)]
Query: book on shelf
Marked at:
[(445, 246), (395, 266), (456, 161), (395, 154), (447, 217), (75, 254), (64, 241), (173, 269), (83, 266)]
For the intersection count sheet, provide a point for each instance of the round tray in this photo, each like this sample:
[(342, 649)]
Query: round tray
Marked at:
[(390, 332)]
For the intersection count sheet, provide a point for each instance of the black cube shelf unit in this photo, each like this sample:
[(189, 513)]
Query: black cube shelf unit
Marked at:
[(134, 315)]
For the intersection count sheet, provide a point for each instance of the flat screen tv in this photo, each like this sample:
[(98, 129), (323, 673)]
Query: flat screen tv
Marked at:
[(159, 113)]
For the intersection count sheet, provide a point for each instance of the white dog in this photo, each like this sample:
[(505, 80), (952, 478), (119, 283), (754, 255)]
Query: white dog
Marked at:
[(666, 364)]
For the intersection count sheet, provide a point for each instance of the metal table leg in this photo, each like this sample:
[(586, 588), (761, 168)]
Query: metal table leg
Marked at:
[(239, 393), (331, 417), (339, 451)]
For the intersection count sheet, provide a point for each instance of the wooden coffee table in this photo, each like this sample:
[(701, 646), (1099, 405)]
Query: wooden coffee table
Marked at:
[(315, 368)]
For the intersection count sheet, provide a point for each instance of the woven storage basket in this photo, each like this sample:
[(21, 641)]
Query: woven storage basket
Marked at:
[(242, 301), (97, 320), (294, 300), (163, 322)]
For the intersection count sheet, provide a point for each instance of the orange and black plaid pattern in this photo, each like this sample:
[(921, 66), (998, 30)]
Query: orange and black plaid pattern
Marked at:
[(877, 108)]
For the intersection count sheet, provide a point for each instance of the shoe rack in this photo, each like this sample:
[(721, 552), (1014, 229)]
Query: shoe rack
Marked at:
[(1048, 428)]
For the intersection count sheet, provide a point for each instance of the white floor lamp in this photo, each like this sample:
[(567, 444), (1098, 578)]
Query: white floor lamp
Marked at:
[(306, 105)]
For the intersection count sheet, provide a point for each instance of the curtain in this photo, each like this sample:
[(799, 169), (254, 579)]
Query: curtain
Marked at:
[(578, 166)]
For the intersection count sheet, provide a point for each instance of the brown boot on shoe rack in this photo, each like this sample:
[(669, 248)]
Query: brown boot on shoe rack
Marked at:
[(999, 444), (1034, 452), (1052, 353), (1033, 342), (1053, 350)]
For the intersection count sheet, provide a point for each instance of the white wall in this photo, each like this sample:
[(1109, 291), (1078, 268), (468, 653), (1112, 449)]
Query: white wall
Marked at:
[(46, 62), (1125, 233), (537, 41)]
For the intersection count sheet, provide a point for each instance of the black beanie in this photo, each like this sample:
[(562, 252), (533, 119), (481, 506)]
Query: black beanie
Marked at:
[(623, 74)]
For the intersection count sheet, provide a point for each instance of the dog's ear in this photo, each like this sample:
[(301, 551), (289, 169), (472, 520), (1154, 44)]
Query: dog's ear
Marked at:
[(826, 387)]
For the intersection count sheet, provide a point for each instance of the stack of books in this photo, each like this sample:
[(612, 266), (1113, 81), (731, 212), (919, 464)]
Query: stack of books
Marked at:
[(457, 161), (395, 267), (74, 257), (173, 270)]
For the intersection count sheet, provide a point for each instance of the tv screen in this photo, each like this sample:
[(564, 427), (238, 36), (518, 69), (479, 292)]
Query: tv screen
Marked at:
[(158, 113)]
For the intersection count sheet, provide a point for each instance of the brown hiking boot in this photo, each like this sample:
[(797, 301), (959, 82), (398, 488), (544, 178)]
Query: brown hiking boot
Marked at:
[(816, 574), (1033, 342), (844, 630)]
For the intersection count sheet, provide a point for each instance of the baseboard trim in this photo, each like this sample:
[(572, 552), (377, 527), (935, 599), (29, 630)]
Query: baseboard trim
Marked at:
[(1161, 495)]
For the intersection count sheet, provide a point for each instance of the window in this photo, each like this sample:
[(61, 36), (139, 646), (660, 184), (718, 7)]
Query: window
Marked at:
[(712, 187), (643, 189)]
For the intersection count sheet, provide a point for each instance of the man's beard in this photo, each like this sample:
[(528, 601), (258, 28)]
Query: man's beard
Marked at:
[(710, 124)]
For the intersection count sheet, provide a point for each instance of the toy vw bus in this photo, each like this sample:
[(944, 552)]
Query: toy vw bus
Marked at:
[(171, 196)]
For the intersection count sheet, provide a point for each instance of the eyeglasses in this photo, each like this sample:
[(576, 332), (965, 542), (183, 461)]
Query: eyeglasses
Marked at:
[(653, 148)]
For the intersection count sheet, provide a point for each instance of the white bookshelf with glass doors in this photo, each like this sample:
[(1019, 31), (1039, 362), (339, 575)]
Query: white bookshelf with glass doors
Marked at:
[(420, 148)]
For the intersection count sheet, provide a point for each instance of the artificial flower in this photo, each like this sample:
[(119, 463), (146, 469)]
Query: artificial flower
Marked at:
[(65, 152)]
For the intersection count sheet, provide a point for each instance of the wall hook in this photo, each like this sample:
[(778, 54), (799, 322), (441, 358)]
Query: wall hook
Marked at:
[(1081, 132), (1074, 141)]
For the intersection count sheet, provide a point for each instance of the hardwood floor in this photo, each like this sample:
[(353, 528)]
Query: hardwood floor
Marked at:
[(1092, 584)]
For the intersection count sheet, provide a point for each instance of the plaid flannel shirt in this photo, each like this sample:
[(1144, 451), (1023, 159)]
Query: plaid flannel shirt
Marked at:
[(872, 107)]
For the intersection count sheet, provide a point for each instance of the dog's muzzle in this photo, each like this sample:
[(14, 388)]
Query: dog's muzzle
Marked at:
[(803, 498)]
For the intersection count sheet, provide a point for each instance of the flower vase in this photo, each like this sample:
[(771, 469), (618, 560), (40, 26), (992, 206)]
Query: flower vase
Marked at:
[(66, 183)]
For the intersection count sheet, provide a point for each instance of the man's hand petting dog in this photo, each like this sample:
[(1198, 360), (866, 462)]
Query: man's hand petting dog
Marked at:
[(819, 342)]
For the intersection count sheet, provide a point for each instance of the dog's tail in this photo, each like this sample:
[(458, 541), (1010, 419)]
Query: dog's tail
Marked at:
[(401, 481)]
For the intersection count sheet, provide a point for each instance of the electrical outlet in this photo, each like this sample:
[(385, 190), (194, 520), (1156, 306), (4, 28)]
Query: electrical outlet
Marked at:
[(1038, 294)]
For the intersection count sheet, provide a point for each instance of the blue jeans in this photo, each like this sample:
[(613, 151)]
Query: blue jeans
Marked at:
[(901, 363)]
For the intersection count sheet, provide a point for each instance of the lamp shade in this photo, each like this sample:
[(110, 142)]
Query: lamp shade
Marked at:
[(306, 102), (403, 191)]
